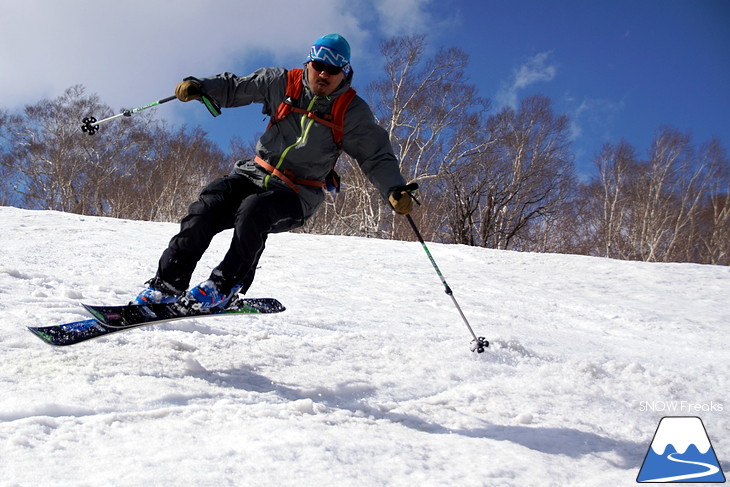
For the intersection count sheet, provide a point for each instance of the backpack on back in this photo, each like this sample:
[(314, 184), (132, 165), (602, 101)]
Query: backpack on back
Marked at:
[(335, 120)]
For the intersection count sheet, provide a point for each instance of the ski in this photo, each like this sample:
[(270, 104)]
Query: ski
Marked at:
[(113, 319), (134, 315)]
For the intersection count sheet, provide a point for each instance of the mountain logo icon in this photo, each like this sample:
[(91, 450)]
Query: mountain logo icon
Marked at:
[(681, 452)]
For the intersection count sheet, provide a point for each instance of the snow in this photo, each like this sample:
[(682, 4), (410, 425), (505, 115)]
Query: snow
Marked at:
[(367, 379)]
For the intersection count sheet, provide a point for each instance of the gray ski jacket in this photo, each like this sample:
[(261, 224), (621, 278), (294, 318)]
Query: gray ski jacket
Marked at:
[(300, 146)]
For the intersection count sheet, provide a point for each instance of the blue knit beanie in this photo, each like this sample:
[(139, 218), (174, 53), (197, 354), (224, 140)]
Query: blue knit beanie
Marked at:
[(332, 49)]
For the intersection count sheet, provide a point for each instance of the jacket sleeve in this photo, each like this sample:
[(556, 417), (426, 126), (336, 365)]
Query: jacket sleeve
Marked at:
[(265, 85), (369, 144)]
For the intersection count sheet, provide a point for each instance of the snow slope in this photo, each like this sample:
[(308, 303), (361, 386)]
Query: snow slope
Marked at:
[(366, 379)]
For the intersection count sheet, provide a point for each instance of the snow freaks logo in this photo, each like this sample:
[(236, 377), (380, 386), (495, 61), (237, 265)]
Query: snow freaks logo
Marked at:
[(681, 452)]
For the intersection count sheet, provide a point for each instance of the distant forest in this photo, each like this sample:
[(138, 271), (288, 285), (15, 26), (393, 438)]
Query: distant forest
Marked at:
[(503, 180)]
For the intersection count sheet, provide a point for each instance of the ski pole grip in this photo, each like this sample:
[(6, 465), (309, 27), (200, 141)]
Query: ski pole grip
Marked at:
[(408, 187)]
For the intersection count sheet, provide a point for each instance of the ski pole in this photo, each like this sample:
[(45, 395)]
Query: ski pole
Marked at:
[(91, 125), (479, 343)]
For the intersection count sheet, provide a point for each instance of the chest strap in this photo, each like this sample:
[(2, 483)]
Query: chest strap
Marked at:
[(288, 177)]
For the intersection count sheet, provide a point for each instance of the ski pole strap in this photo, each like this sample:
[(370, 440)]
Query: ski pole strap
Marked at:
[(410, 188), (289, 178), (212, 106)]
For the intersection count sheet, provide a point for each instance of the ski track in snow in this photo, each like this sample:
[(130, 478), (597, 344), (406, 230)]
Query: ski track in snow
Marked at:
[(366, 379)]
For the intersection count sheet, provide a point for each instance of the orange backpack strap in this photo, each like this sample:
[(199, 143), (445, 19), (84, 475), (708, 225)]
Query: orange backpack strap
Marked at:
[(293, 92), (334, 120), (339, 107), (288, 177), (294, 83)]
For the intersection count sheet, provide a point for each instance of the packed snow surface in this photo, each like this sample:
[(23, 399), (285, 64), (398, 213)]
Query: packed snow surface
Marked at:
[(366, 379)]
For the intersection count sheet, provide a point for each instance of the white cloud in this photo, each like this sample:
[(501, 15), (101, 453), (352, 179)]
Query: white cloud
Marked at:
[(536, 69), (133, 52), (594, 117), (592, 122), (402, 17)]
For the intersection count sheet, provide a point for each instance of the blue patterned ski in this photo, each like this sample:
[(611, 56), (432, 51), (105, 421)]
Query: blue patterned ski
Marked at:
[(113, 319)]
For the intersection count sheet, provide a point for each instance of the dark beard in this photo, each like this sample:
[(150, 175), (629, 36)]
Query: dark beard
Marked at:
[(320, 89)]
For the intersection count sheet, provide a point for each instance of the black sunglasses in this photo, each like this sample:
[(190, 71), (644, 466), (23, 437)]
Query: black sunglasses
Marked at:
[(327, 68)]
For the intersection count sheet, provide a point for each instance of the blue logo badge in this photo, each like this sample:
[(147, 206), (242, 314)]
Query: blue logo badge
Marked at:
[(681, 452)]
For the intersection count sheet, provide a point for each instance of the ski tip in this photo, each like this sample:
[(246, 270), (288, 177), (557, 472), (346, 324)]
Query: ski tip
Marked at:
[(44, 337)]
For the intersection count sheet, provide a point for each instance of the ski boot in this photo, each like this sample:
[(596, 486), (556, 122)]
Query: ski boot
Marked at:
[(207, 295), (157, 292)]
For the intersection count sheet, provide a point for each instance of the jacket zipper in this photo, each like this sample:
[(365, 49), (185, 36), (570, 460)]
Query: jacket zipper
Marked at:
[(306, 125)]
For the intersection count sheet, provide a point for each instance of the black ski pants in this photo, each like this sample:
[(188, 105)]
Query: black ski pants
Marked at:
[(230, 202)]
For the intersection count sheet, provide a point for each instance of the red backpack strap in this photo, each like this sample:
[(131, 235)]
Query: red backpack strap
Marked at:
[(293, 92), (335, 119), (339, 107)]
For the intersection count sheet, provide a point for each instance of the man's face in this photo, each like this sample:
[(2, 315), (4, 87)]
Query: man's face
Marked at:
[(321, 82)]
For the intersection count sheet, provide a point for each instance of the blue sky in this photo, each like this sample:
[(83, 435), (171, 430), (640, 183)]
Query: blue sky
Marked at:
[(619, 69)]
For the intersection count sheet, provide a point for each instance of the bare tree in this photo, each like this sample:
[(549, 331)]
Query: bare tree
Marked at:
[(617, 166), (59, 167), (132, 168), (168, 173), (45, 156), (8, 174), (666, 198), (714, 218), (506, 194), (671, 207)]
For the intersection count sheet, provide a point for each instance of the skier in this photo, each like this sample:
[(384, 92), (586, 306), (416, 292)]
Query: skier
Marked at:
[(282, 186)]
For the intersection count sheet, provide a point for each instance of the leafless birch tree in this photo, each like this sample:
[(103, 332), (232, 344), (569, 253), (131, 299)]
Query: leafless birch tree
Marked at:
[(506, 194)]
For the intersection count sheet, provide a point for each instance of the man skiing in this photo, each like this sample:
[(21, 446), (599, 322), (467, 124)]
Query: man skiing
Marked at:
[(283, 184)]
